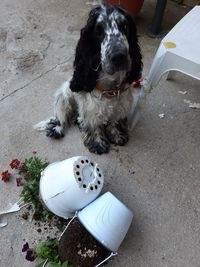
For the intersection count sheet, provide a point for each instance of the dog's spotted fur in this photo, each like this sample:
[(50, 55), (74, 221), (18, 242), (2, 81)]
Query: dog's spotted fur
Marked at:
[(107, 53)]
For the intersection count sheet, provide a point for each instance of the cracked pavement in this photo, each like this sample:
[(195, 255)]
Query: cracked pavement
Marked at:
[(156, 174)]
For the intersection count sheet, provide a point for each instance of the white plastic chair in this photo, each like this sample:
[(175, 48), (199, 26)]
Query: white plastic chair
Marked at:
[(179, 50)]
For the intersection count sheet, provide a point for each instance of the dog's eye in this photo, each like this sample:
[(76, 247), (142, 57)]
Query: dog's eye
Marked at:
[(99, 30)]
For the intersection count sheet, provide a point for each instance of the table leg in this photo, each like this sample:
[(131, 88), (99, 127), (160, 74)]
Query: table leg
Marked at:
[(155, 27)]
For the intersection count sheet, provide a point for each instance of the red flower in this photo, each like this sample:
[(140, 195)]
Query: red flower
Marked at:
[(15, 164), (30, 256), (18, 181), (5, 176), (25, 247)]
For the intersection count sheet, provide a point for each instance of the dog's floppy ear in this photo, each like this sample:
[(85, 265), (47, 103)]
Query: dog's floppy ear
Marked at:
[(134, 48), (87, 57)]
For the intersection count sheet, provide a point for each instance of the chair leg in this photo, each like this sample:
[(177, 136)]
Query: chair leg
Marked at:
[(154, 73), (168, 63)]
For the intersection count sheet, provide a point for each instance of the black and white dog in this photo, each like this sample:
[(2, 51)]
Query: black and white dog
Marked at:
[(99, 94)]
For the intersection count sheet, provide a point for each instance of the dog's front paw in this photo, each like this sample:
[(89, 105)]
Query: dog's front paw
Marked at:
[(116, 135), (96, 142), (118, 139), (99, 147), (55, 129)]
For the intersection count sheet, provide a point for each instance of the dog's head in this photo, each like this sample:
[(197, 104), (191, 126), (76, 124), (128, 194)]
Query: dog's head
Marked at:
[(108, 43)]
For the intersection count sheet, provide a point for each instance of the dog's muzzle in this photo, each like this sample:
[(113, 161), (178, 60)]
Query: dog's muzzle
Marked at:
[(119, 60)]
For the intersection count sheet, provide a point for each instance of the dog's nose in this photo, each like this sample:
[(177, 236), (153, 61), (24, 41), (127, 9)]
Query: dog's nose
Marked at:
[(119, 58)]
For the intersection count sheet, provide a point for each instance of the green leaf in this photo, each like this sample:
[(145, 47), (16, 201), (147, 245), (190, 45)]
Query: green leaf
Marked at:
[(65, 264), (40, 264), (55, 265), (31, 170), (48, 250)]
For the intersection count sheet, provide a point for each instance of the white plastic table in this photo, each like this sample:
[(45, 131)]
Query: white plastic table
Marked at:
[(179, 50)]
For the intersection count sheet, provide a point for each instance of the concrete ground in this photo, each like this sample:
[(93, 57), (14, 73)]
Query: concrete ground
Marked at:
[(156, 174)]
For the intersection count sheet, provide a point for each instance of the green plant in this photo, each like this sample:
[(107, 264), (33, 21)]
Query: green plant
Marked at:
[(31, 170), (65, 264), (49, 250)]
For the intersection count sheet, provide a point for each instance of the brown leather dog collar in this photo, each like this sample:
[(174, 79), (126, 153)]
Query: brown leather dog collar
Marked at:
[(108, 94), (116, 93)]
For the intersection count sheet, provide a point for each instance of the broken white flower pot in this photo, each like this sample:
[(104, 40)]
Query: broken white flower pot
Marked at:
[(107, 219), (69, 185)]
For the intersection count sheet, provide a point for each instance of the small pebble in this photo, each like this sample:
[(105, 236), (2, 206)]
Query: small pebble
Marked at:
[(161, 116)]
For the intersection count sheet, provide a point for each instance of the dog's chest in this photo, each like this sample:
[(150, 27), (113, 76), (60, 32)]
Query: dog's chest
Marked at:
[(96, 109)]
